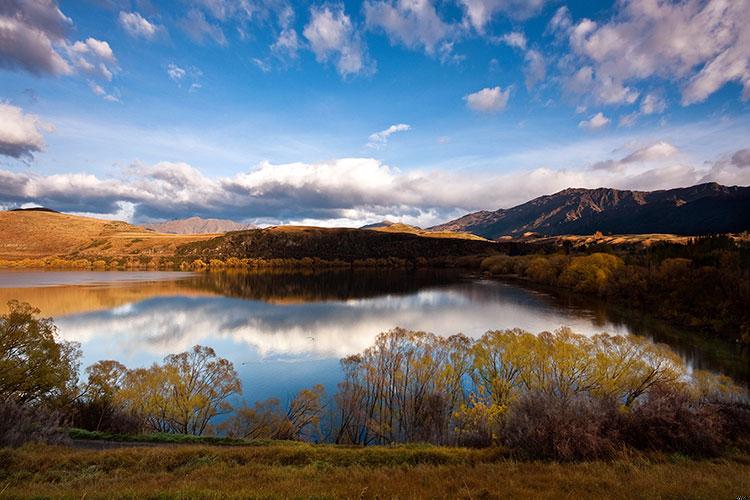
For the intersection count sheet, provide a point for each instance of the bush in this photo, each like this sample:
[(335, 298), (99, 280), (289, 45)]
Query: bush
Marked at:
[(546, 426), (25, 424), (102, 415), (670, 420)]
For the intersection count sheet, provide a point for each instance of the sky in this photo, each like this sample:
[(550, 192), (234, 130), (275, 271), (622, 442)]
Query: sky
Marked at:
[(346, 113)]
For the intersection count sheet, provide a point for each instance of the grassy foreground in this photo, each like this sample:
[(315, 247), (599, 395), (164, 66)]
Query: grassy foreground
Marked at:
[(303, 470)]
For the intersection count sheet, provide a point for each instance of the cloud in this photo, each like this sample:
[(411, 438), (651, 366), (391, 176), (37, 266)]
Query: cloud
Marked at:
[(514, 39), (99, 90), (348, 191), (652, 103), (595, 122), (30, 32), (332, 36), (478, 13), (92, 56), (413, 23), (488, 100), (379, 139), (175, 72), (741, 158), (137, 26), (287, 43), (656, 151), (21, 133), (699, 44), (200, 29)]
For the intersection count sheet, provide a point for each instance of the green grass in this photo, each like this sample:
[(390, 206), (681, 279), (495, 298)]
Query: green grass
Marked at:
[(156, 437)]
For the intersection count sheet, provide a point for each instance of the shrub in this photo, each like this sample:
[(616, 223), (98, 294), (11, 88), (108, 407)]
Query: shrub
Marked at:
[(672, 421), (546, 426), (29, 424)]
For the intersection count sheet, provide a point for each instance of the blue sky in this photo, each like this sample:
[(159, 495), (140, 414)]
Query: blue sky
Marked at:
[(345, 113)]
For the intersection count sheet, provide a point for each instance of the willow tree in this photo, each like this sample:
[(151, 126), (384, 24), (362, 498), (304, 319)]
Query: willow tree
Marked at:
[(36, 366)]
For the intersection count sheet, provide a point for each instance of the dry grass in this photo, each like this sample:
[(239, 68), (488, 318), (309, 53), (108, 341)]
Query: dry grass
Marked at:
[(43, 234), (299, 470), (405, 228)]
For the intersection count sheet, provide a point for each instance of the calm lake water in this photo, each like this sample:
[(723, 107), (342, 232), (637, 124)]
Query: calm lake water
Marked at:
[(288, 331)]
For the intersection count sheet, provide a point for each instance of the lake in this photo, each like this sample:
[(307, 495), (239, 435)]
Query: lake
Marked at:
[(286, 331)]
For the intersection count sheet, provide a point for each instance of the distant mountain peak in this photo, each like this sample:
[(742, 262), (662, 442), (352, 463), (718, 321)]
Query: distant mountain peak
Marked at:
[(700, 209), (197, 225)]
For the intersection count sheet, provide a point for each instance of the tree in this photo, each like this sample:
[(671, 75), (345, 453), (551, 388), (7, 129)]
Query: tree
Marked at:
[(35, 365), (200, 386)]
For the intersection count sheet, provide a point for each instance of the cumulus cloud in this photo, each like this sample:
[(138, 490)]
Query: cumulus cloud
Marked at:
[(595, 122), (411, 23), (332, 37), (478, 13), (137, 26), (30, 33), (699, 44), (488, 100), (348, 191), (21, 133), (379, 139)]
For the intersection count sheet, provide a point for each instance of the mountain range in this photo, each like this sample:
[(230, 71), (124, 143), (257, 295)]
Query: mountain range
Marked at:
[(701, 209), (197, 225)]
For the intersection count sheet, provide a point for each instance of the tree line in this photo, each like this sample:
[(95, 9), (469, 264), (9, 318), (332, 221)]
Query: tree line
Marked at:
[(554, 394), (703, 285)]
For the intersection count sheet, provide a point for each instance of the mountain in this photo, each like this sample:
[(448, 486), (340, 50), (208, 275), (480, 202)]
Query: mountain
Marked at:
[(379, 225), (197, 225), (37, 233), (702, 209)]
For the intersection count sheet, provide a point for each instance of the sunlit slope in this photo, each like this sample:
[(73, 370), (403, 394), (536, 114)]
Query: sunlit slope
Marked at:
[(34, 234), (405, 228)]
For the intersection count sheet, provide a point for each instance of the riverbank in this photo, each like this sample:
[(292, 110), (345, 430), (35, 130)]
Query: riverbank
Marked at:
[(327, 471)]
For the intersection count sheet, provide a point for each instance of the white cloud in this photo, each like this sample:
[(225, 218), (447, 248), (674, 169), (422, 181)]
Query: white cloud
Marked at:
[(414, 23), (200, 29), (350, 189), (699, 44), (30, 33), (514, 39), (488, 100), (99, 90), (138, 26), (657, 151), (175, 72), (480, 12), (287, 43), (652, 103), (332, 36), (261, 64), (379, 139), (92, 56), (535, 68), (595, 122), (21, 133)]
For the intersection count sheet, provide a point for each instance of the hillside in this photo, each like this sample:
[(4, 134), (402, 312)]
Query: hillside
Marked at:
[(43, 233), (297, 242), (197, 225), (398, 227), (702, 209)]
